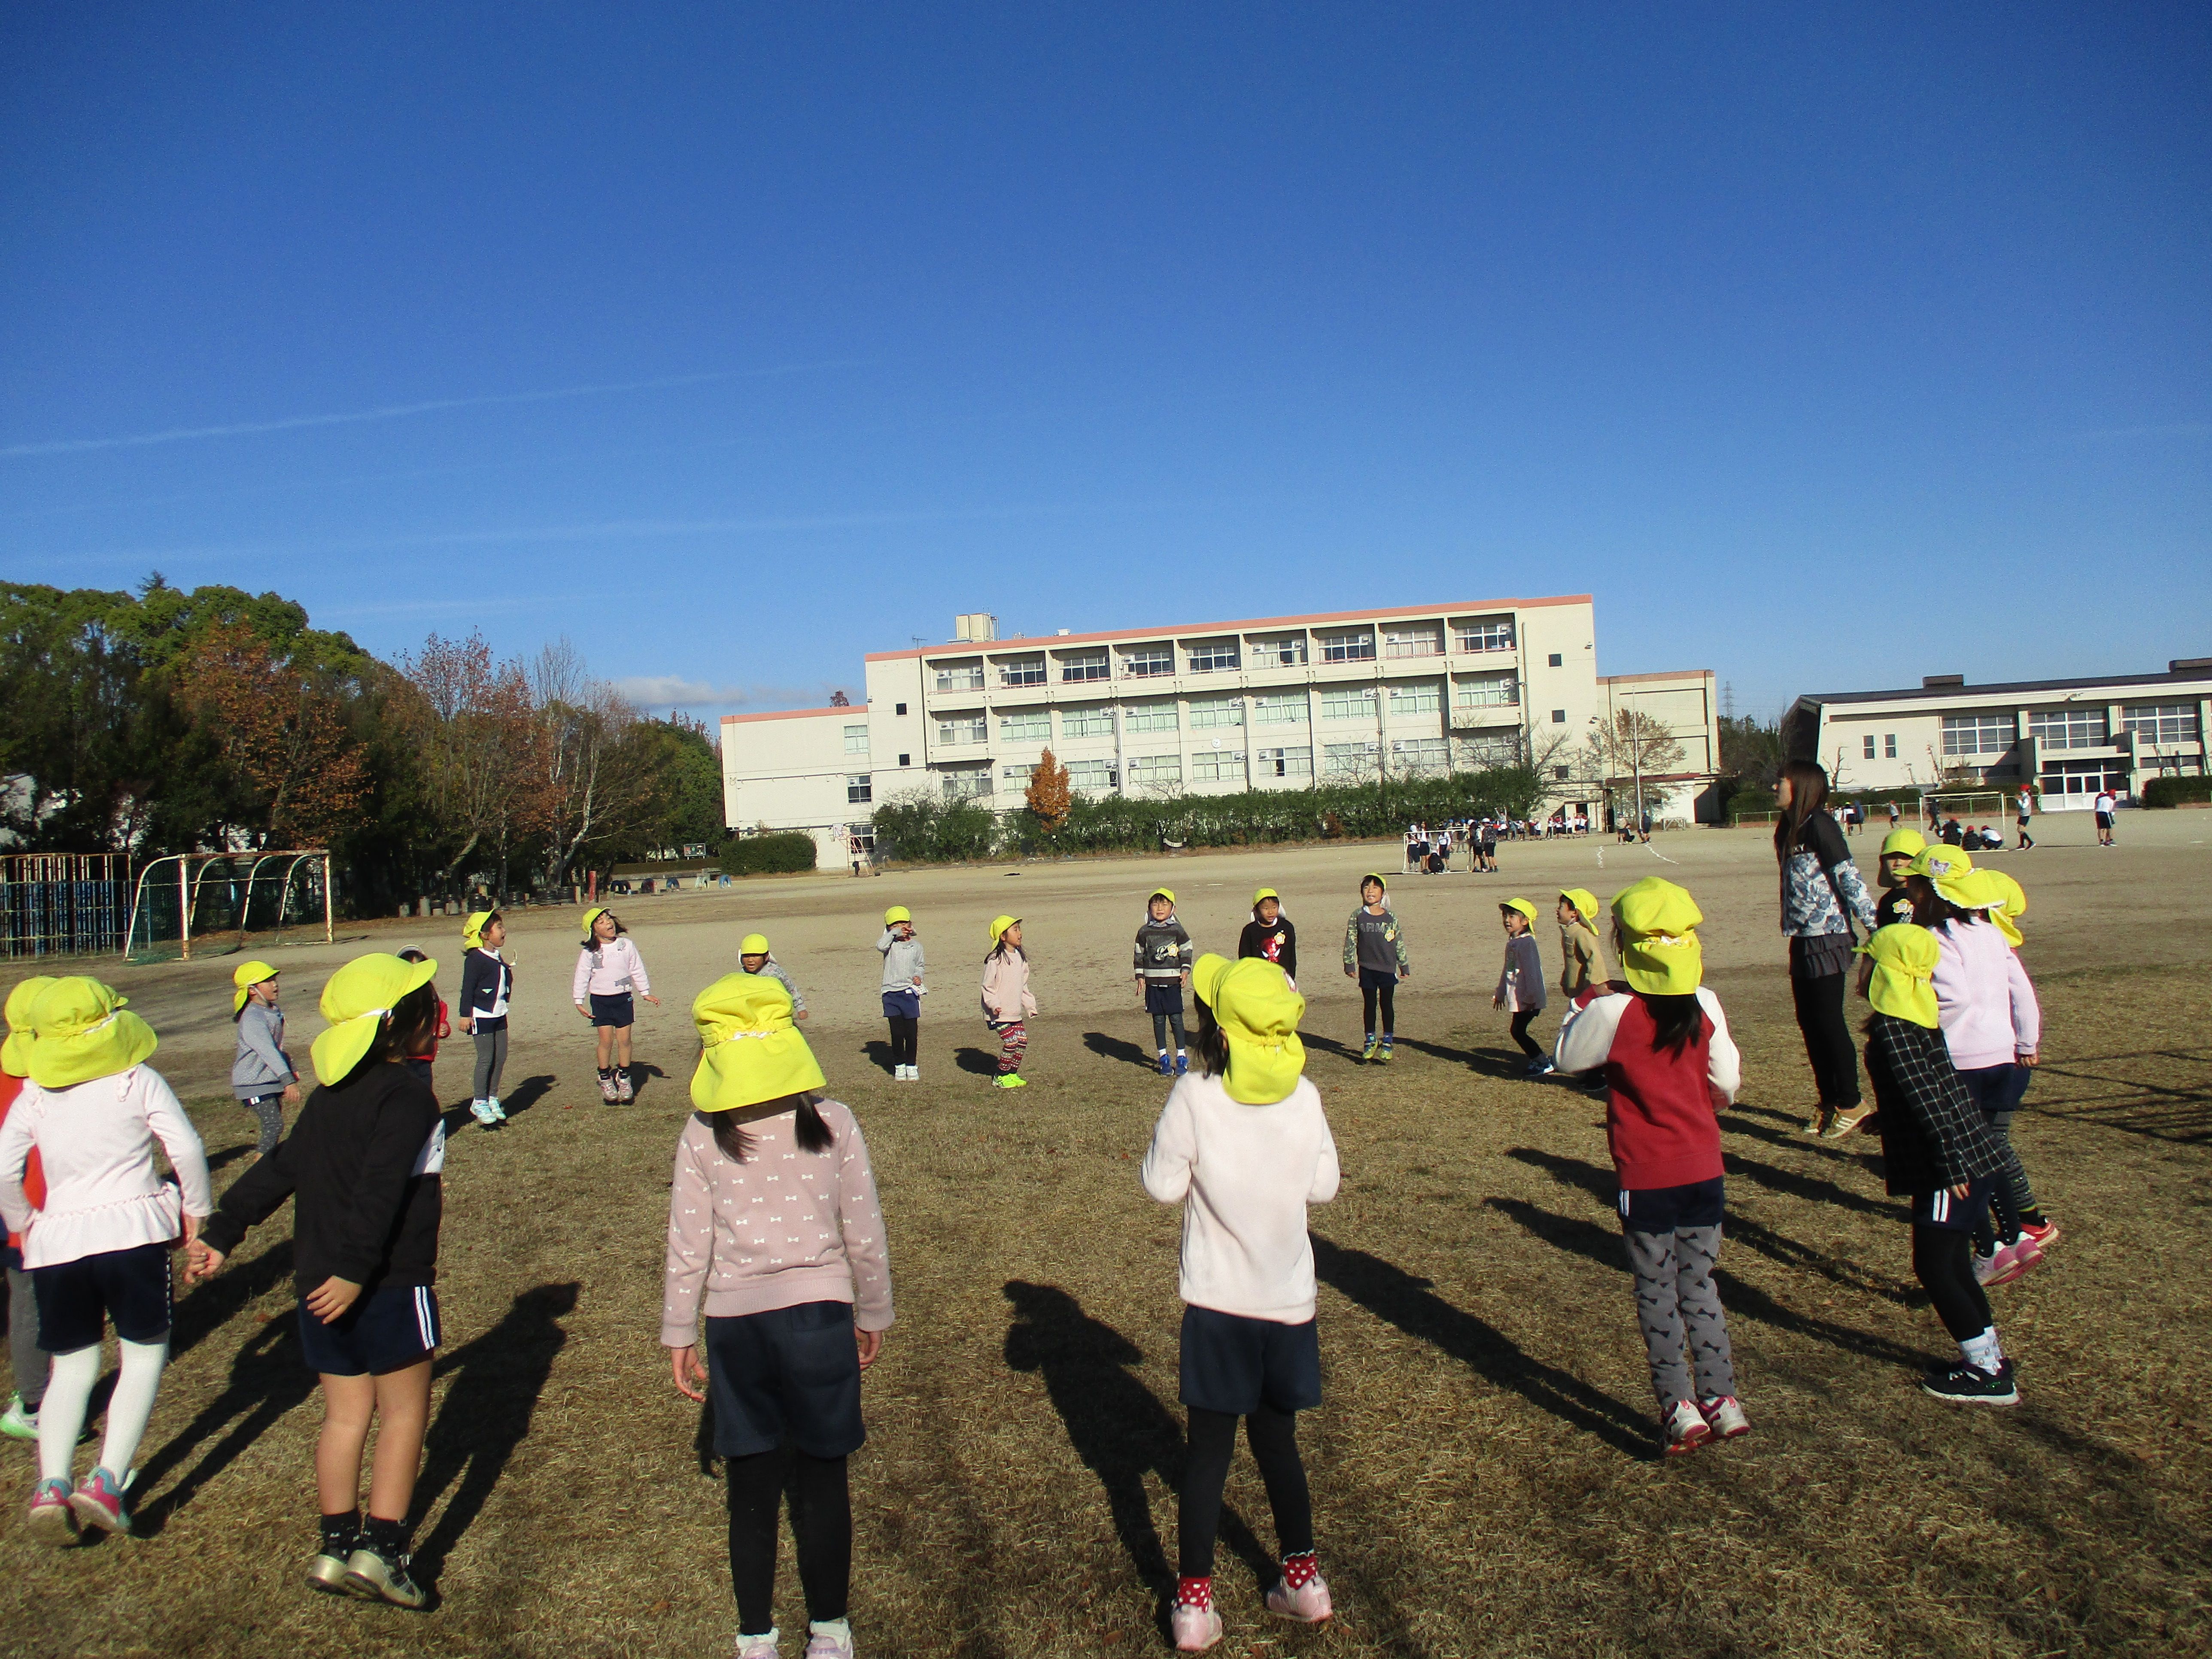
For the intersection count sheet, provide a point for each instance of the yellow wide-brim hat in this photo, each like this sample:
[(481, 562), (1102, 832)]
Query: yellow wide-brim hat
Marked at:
[(1907, 842), (472, 929), (591, 916), (2012, 906), (1902, 984), (1526, 907), (1258, 1013), (753, 944), (897, 913), (83, 1029), (1205, 976), (358, 1000), (751, 1051), (1267, 893), (1946, 868), (16, 1051), (1660, 955), (1583, 899), (245, 977), (999, 926)]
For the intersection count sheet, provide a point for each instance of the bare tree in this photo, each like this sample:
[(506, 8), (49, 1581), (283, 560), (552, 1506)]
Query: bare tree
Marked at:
[(1629, 750), (595, 783), (480, 747)]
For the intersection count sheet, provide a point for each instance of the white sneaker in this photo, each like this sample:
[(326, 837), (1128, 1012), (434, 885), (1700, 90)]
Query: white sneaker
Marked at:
[(757, 1647), (498, 1111), (905, 1073), (1725, 1417), (829, 1641), (480, 1110)]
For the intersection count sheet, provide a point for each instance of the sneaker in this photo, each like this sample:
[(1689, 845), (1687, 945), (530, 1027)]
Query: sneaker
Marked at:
[(2010, 1261), (1540, 1066), (21, 1422), (480, 1110), (1382, 1053), (1725, 1417), (1308, 1604), (1368, 1053), (327, 1573), (835, 1642), (759, 1647), (607, 1087), (1010, 1080), (1842, 1120), (1194, 1629), (2045, 1236), (53, 1520), (1183, 1065), (98, 1501), (1969, 1385), (1166, 1065), (376, 1576), (914, 1074), (1684, 1428), (498, 1111), (623, 1092)]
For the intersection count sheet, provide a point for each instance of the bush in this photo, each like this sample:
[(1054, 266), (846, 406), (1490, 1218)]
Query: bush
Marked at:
[(769, 855), (924, 827), (2171, 792)]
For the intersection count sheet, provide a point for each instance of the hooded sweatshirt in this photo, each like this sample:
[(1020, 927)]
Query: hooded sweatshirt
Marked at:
[(902, 961), (1989, 1009), (1245, 1175)]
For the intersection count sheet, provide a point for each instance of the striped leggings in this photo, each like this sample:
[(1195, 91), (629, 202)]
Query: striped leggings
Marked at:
[(1013, 1043)]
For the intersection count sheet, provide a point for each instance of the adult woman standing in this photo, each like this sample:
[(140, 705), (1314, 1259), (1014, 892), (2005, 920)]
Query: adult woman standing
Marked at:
[(1821, 897)]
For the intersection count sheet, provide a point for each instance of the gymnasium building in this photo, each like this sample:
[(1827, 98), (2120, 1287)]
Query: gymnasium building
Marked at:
[(1280, 702), (2068, 739)]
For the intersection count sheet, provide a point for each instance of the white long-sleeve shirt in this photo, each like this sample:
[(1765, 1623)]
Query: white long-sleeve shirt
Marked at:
[(1987, 1007), (615, 968), (1245, 1175), (95, 1143)]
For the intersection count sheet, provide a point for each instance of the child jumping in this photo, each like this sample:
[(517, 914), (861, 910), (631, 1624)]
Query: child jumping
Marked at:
[(755, 957), (1937, 1151), (901, 989), (608, 971), (262, 1076), (1007, 1003), (363, 1169), (1242, 1145), (486, 986), (1375, 954), (790, 1325), (1665, 1047), (1162, 968), (98, 1249), (26, 1357), (1270, 935), (1521, 986)]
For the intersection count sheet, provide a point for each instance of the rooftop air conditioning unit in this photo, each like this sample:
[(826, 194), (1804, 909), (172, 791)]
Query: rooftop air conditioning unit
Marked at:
[(1940, 682), (974, 626)]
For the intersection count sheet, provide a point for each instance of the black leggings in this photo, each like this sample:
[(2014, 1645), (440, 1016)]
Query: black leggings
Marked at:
[(1160, 1024), (1529, 1046), (906, 1039), (821, 1520), (1273, 1437), (1387, 997), (1827, 1038), (1943, 1261)]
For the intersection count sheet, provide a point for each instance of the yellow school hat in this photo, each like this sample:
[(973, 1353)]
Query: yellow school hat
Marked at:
[(1267, 893), (1946, 868), (999, 926), (1902, 984), (750, 1050), (897, 913), (1205, 976), (248, 974), (1660, 954), (2012, 905), (359, 998), (1907, 842), (472, 929), (1526, 907), (753, 944), (1583, 899), (81, 1030), (16, 1053), (1166, 893), (591, 916), (1377, 878), (1258, 1013)]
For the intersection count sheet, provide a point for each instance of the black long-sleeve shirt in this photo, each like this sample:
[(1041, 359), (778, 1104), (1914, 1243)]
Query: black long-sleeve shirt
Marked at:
[(1278, 944), (363, 1163)]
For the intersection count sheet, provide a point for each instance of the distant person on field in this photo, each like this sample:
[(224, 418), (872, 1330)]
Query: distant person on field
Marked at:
[(2023, 809), (1162, 969), (1894, 815), (261, 1075), (1008, 1006), (2106, 804), (609, 972), (1521, 986), (26, 1357), (902, 988), (1270, 935), (486, 988), (755, 957), (1375, 954)]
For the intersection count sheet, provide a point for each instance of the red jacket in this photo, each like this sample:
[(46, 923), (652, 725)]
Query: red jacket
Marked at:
[(1660, 1121), (34, 1174)]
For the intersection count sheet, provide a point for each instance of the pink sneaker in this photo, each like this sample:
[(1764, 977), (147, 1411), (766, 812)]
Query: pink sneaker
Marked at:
[(98, 1501), (1194, 1629), (1723, 1415), (52, 1520), (1684, 1428), (757, 1647), (2010, 1261), (1309, 1603), (834, 1642)]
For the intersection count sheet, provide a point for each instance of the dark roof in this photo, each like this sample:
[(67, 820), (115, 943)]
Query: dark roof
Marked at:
[(2009, 687)]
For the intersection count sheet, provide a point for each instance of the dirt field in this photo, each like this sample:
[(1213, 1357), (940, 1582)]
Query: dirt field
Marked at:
[(1484, 1467)]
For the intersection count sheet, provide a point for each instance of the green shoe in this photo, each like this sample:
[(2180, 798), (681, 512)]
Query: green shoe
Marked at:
[(18, 1422), (1383, 1055), (1368, 1053), (1011, 1080)]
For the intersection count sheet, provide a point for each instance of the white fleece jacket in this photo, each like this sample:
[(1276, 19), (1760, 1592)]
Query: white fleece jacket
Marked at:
[(1245, 1175)]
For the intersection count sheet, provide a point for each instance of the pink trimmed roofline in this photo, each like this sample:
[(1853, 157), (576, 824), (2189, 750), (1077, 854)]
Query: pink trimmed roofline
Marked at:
[(1663, 674), (1474, 607), (796, 713)]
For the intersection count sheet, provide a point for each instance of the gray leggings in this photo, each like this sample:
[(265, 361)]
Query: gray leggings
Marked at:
[(23, 1350), (270, 1109), (491, 1060), (1675, 1287)]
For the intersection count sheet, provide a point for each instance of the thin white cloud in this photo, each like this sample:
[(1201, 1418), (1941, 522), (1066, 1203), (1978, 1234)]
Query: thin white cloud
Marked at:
[(651, 692)]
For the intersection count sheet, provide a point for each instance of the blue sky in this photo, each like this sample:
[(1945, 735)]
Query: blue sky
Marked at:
[(1827, 347)]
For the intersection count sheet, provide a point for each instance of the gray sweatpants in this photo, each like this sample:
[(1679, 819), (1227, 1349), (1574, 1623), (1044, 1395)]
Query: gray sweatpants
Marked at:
[(23, 1351), (491, 1060), (1676, 1303)]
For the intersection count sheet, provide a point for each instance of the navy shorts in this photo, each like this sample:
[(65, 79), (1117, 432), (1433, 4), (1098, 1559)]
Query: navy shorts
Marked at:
[(902, 1005), (1997, 1089), (1235, 1365), (1163, 996), (2103, 820), (1946, 1209), (617, 1011), (1663, 1209), (387, 1330), (788, 1373), (129, 1289)]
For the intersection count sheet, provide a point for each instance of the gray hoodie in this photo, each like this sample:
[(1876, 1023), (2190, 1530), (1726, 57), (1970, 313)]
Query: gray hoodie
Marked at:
[(901, 961), (262, 1066)]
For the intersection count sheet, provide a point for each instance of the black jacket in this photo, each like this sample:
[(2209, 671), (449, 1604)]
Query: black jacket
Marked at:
[(1933, 1135), (484, 979), (362, 1162), (1278, 944)]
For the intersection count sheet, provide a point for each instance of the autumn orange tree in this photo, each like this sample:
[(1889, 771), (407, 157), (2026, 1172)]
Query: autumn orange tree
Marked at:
[(1048, 795), (280, 730)]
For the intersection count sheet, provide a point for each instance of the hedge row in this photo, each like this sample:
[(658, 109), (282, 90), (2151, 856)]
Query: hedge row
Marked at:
[(768, 855), (2171, 792)]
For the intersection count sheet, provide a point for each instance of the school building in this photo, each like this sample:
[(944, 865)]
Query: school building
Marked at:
[(2066, 738), (1279, 702)]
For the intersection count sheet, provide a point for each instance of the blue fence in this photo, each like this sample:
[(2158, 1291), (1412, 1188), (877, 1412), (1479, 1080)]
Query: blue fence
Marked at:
[(62, 903)]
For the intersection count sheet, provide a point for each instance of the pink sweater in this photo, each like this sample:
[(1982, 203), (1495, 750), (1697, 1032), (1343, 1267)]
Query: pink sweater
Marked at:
[(783, 1228), (1988, 1008), (617, 967)]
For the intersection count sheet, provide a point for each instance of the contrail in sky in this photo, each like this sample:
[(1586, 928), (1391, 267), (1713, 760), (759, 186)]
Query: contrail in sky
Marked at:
[(389, 412)]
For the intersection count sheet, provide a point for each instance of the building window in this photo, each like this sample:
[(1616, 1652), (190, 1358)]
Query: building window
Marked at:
[(856, 740), (1889, 746), (1356, 646), (906, 760), (1156, 769), (1145, 661), (2069, 728), (1348, 703), (1559, 717), (1292, 710), (1092, 720), (1288, 652), (961, 728), (1349, 760), (900, 708), (1501, 691), (1091, 666), (1150, 717), (960, 677), (1978, 734), (1414, 639), (1017, 775), (1216, 711), (1424, 699), (857, 790), (1485, 633), (1553, 659), (1866, 747), (2162, 724), (1420, 755), (1214, 656), (1021, 671), (1217, 766), (1492, 749), (967, 783), (1092, 774), (1031, 725), (1285, 763), (1560, 773)]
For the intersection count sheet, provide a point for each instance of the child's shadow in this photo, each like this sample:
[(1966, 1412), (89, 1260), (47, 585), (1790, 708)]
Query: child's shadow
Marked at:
[(981, 1063), (879, 1054), (1114, 1047)]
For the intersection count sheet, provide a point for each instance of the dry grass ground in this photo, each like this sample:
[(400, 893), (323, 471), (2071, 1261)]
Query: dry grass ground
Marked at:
[(1483, 1467)]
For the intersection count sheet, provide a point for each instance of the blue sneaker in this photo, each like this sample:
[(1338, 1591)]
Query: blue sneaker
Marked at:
[(1167, 1065), (1183, 1065)]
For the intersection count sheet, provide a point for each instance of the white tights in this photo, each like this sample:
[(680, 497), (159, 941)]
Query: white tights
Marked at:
[(69, 1393)]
